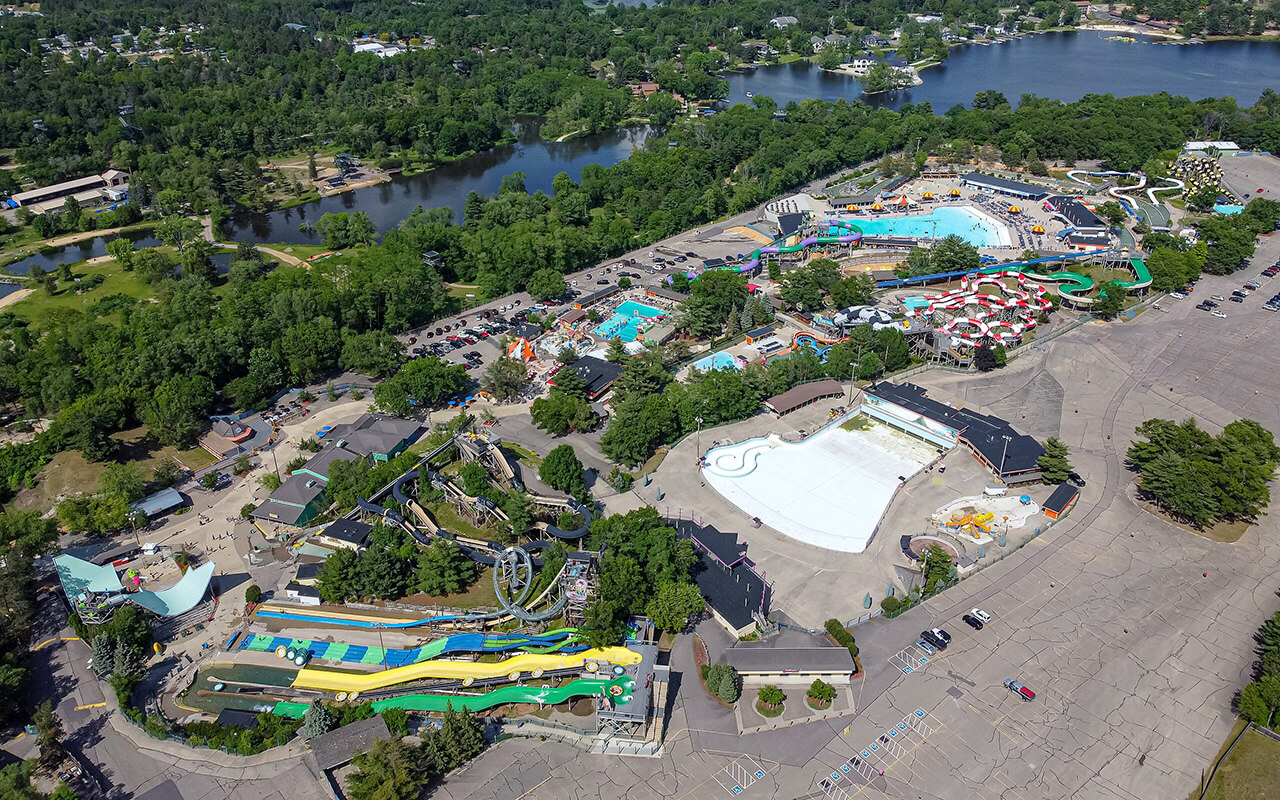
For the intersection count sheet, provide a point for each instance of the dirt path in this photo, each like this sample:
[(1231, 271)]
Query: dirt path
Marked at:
[(206, 223), (16, 297)]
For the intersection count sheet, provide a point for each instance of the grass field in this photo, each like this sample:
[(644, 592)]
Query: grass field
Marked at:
[(1251, 772), (478, 595), (71, 473)]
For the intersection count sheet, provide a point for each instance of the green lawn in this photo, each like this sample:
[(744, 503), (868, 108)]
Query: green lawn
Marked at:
[(69, 472), (447, 516), (478, 595), (1251, 772), (38, 306)]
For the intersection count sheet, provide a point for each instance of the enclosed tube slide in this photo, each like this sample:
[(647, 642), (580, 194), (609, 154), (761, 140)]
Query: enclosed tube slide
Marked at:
[(839, 232)]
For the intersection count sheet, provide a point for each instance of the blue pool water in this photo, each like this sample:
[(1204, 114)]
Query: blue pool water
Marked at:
[(627, 319), (915, 302), (720, 360), (940, 222)]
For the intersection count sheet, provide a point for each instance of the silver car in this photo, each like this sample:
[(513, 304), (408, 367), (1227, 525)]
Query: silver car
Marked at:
[(928, 648)]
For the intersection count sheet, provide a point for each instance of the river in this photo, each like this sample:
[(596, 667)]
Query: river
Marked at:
[(388, 203)]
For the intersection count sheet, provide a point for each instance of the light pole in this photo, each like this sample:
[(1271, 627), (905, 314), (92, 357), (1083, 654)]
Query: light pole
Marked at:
[(853, 374), (699, 441), (1007, 438)]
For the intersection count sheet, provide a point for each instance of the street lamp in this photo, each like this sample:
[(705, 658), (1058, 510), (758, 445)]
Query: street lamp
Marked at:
[(699, 421), (1007, 438), (853, 374)]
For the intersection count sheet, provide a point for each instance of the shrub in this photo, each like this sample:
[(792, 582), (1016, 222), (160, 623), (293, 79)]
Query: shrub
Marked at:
[(842, 636), (820, 692), (890, 604), (247, 509), (722, 681), (772, 696), (253, 594)]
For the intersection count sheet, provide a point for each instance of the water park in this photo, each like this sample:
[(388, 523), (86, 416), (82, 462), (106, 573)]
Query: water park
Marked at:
[(629, 320)]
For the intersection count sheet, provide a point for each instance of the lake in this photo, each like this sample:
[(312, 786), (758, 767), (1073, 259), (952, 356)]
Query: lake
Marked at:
[(49, 259), (1063, 66), (1060, 66)]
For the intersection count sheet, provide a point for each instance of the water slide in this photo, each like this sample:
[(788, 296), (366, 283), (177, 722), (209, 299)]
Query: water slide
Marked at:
[(1073, 285), (814, 343), (838, 232), (562, 640), (530, 665), (618, 690), (1171, 185)]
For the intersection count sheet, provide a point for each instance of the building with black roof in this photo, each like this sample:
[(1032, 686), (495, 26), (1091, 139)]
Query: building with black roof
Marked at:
[(1011, 456), (1004, 186), (307, 573), (1076, 214), (713, 263), (1087, 241), (789, 223), (1061, 501), (726, 577), (346, 533), (596, 373), (595, 297), (238, 718)]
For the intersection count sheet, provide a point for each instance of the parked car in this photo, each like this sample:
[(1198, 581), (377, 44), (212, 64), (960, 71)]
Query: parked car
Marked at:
[(927, 648), (1026, 694), (1075, 478), (980, 614), (1178, 296), (681, 259), (943, 635), (1217, 297), (602, 282), (933, 639), (972, 622), (1236, 299), (1218, 314)]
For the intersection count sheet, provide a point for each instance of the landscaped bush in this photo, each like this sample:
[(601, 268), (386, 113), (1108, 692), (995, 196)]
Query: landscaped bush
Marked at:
[(722, 681), (842, 636), (820, 694), (271, 731)]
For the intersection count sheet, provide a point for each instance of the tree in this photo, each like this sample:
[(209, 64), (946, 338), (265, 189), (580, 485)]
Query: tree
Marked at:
[(617, 352), (505, 379), (936, 567), (49, 734), (122, 251), (389, 771), (562, 470), (820, 693), (771, 696), (547, 284), (317, 720), (1110, 300), (122, 480), (104, 650), (984, 358), (424, 382), (209, 480), (673, 605), (1112, 212), (374, 353), (252, 593), (176, 410), (338, 577), (729, 686), (178, 231), (1054, 465), (560, 412), (443, 569)]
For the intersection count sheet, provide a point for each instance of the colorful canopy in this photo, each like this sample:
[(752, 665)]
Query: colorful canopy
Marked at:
[(1015, 209), (928, 195), (1037, 229), (877, 207), (955, 192)]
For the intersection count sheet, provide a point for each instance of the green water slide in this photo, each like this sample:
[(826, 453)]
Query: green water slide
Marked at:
[(619, 689), (1073, 285)]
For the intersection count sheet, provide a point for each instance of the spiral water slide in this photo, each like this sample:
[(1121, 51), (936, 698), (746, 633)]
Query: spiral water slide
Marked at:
[(838, 232)]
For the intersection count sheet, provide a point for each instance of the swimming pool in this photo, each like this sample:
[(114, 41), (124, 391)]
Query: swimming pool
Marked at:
[(915, 303), (628, 320), (976, 228), (721, 360)]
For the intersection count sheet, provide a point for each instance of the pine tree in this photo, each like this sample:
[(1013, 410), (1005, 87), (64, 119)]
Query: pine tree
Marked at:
[(1054, 466), (746, 319), (728, 687), (733, 325), (128, 660), (761, 312), (104, 655), (317, 721)]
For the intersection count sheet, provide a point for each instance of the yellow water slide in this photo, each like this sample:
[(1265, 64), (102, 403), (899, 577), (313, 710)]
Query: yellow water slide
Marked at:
[(529, 665)]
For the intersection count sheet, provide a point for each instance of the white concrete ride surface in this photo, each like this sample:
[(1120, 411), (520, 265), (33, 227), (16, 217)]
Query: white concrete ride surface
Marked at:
[(829, 490)]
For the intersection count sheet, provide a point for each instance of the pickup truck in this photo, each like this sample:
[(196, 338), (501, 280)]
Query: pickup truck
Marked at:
[(1026, 694)]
